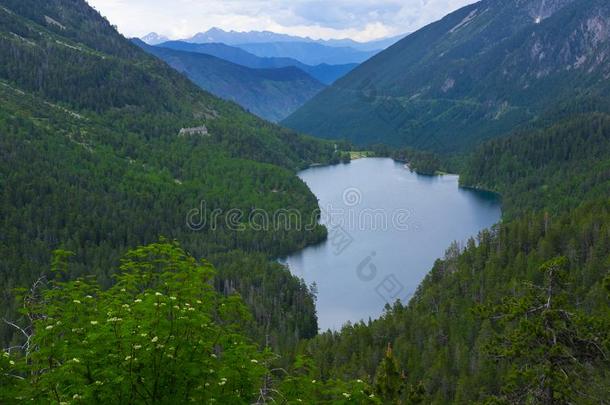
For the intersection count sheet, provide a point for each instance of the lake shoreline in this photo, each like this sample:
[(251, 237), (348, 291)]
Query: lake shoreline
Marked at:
[(439, 212)]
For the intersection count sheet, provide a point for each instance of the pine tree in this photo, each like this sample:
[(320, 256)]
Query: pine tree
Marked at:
[(389, 382)]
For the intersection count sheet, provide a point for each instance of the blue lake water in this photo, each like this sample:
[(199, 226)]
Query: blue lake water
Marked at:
[(387, 226)]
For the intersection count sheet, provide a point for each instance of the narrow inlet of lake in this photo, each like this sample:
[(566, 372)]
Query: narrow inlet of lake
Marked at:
[(386, 226)]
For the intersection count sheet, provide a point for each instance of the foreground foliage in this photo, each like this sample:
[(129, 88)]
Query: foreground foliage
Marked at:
[(160, 334)]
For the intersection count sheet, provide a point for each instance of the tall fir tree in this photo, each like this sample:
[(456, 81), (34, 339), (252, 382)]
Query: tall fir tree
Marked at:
[(389, 381)]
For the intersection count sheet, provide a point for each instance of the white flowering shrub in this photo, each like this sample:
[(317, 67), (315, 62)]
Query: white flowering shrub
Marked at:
[(161, 334)]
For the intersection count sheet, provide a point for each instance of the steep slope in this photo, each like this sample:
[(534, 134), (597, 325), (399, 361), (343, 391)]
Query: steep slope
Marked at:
[(308, 53), (477, 73), (94, 160), (272, 94), (324, 73)]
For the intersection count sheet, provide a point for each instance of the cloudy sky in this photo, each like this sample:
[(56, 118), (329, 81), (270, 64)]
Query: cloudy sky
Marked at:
[(361, 20)]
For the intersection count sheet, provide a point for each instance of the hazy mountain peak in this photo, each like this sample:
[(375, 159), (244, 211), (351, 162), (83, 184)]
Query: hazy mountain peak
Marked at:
[(232, 37), (154, 39)]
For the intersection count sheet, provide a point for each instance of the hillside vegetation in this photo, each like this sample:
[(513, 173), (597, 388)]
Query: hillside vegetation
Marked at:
[(93, 161)]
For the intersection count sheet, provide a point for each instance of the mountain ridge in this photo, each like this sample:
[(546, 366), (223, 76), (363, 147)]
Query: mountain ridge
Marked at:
[(304, 49), (479, 72), (214, 35), (270, 93), (310, 53), (327, 74)]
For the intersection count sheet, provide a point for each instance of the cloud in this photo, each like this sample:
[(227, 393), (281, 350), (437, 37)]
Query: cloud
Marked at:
[(346, 14), (358, 19)]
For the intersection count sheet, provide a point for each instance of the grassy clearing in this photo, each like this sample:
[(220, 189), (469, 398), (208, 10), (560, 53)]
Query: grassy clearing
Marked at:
[(361, 154)]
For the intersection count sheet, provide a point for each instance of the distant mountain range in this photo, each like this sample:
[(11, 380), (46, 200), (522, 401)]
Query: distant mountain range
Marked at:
[(271, 93), (482, 71), (270, 79), (217, 35), (306, 50), (324, 73)]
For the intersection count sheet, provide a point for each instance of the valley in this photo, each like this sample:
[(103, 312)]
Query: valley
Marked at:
[(245, 216), (272, 94), (270, 75)]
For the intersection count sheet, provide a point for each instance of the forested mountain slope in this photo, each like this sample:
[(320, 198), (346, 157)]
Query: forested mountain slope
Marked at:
[(478, 73), (94, 160), (552, 169), (272, 94), (443, 341)]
